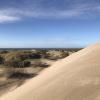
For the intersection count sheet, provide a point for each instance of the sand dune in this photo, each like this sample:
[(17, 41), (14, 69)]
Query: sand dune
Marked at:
[(76, 77)]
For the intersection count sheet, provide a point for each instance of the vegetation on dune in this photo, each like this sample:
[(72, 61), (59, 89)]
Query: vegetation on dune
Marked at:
[(1, 60), (19, 58), (22, 58), (64, 54), (17, 63), (20, 75), (40, 64), (4, 52)]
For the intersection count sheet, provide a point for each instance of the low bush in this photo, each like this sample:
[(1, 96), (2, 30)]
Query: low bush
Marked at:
[(40, 64), (64, 54), (4, 52), (1, 60), (20, 75), (17, 63)]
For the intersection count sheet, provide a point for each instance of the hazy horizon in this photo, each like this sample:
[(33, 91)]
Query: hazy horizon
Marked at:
[(49, 23)]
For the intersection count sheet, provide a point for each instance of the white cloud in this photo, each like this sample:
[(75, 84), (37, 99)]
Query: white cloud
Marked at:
[(5, 18), (80, 10), (10, 15)]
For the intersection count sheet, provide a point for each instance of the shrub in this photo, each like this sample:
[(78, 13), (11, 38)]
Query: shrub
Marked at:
[(64, 54), (35, 56), (26, 63), (39, 64), (1, 60), (42, 53), (4, 52), (23, 55), (20, 75), (17, 73), (17, 63)]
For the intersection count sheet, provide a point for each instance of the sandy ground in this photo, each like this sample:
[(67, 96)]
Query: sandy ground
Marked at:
[(10, 84), (76, 77)]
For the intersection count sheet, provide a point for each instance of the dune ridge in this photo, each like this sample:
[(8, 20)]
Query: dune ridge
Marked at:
[(76, 77)]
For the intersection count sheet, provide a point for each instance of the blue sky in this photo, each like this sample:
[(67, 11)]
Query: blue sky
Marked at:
[(49, 23)]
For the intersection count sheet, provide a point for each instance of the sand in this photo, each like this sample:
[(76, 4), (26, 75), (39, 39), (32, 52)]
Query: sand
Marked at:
[(76, 77)]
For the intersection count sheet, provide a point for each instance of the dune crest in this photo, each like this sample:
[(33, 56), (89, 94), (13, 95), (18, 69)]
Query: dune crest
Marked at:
[(76, 77)]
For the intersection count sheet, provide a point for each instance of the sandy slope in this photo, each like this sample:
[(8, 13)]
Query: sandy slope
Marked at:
[(76, 77)]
